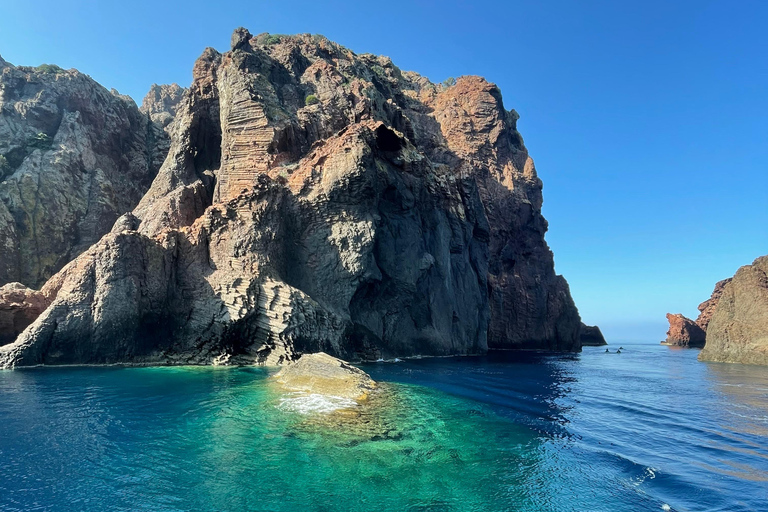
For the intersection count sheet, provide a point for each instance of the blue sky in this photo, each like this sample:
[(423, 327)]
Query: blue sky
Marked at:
[(647, 120)]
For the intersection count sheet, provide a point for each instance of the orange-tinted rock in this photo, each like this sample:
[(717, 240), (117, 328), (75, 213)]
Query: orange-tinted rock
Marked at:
[(683, 332), (19, 307), (707, 308)]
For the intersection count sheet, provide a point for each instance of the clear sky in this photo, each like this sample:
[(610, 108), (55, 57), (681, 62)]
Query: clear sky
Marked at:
[(648, 120)]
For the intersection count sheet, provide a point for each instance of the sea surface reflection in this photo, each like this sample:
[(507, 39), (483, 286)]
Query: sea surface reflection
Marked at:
[(648, 429)]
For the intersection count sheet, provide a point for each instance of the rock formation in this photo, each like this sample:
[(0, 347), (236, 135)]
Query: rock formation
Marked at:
[(316, 200), (683, 332), (707, 308), (591, 336), (19, 307), (162, 102), (738, 325), (73, 158)]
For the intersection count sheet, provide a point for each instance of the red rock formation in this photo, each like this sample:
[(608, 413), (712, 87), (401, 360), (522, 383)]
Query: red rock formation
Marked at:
[(74, 156), (707, 308), (683, 332)]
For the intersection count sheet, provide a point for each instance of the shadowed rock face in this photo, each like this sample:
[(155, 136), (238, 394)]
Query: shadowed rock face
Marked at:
[(391, 217), (75, 156), (738, 328), (592, 336)]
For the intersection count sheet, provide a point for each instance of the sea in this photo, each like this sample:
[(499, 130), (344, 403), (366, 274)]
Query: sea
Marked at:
[(647, 429)]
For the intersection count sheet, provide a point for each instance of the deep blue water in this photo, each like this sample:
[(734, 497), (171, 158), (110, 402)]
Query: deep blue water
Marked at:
[(648, 429)]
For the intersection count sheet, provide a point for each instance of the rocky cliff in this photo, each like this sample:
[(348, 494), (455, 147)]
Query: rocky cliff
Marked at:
[(315, 200), (737, 330), (73, 158)]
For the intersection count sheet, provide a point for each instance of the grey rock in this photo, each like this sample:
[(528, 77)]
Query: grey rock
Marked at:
[(392, 217), (75, 157)]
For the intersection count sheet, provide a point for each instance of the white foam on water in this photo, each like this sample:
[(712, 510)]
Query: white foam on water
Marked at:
[(666, 508), (314, 403)]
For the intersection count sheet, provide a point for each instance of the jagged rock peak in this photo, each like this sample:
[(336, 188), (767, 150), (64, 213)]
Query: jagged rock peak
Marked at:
[(318, 200), (162, 102), (683, 332)]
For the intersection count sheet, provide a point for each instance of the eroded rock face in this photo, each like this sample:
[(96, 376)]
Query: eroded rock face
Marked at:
[(390, 217), (738, 328), (707, 308), (592, 336), (74, 158), (683, 332), (19, 307), (162, 102)]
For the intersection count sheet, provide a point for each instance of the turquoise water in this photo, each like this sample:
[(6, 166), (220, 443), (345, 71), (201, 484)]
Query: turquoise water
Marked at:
[(649, 429)]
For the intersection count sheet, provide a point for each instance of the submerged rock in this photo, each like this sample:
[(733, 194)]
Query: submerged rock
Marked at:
[(591, 336), (322, 374), (738, 328)]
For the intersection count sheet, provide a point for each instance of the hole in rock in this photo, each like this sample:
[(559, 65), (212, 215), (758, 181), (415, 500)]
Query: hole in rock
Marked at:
[(387, 140)]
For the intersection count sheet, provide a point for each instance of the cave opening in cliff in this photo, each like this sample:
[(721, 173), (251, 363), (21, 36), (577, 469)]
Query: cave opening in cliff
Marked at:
[(387, 140)]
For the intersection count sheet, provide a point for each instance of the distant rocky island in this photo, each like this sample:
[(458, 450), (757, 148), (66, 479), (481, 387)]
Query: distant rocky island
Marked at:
[(297, 198), (732, 326)]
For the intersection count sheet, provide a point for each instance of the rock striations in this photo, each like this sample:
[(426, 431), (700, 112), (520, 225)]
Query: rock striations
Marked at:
[(317, 200), (73, 158), (737, 330)]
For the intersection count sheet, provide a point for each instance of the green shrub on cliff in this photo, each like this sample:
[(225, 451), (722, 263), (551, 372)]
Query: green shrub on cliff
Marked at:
[(4, 165), (311, 100), (40, 141), (49, 69), (449, 82), (273, 39)]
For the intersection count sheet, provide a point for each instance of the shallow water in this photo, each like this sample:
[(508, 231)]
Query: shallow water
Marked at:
[(649, 429)]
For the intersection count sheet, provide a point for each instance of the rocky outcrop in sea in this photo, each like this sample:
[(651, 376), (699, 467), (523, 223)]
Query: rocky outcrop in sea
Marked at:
[(591, 336), (314, 199), (684, 332)]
